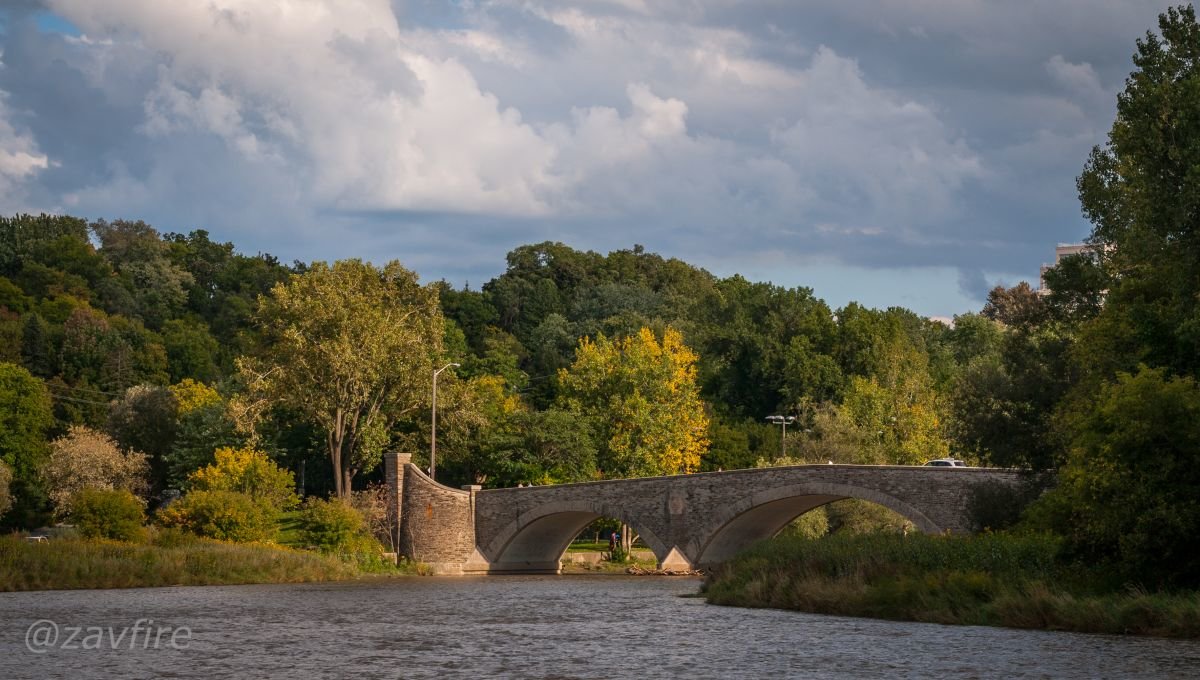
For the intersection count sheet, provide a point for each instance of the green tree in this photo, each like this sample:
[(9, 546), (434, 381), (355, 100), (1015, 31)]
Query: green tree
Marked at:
[(223, 515), (191, 350), (1130, 418), (12, 298), (108, 513), (22, 234), (1019, 306), (641, 396), (203, 426), (763, 347), (248, 472), (145, 419), (556, 447), (1127, 493), (1141, 191), (6, 500), (36, 350), (25, 416), (351, 347)]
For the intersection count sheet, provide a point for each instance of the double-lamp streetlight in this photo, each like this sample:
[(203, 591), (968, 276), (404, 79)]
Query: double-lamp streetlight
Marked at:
[(433, 424), (783, 421)]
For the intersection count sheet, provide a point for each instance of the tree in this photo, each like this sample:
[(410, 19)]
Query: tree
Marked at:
[(641, 396), (21, 234), (1004, 408), (36, 352), (191, 349), (85, 459), (223, 515), (200, 432), (1127, 493), (477, 431), (145, 419), (1130, 421), (1141, 192), (351, 347), (556, 447), (1019, 306), (250, 472), (379, 519), (764, 347), (25, 416), (6, 500), (108, 513), (1077, 286)]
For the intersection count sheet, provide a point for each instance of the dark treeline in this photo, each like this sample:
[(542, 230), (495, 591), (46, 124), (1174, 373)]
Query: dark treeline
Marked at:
[(93, 310)]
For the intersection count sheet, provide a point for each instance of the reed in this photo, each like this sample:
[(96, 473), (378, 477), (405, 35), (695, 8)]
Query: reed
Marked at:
[(167, 561), (1018, 581)]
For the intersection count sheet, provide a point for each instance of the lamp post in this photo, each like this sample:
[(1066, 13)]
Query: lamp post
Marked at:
[(433, 424), (783, 421)]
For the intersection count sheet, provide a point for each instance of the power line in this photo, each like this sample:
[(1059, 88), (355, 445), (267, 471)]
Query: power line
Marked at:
[(82, 389), (61, 397)]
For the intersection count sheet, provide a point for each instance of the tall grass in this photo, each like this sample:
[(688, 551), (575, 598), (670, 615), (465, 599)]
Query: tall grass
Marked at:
[(171, 559), (989, 579)]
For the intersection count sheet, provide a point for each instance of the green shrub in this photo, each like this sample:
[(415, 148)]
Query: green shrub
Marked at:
[(249, 472), (224, 515), (330, 525), (335, 527), (108, 513)]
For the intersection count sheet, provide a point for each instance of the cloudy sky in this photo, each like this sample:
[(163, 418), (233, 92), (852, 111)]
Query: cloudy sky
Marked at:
[(894, 152)]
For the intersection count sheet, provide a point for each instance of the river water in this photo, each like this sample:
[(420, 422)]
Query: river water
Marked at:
[(521, 627)]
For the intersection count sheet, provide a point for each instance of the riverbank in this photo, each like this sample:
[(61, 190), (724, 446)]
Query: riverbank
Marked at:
[(68, 564), (988, 580)]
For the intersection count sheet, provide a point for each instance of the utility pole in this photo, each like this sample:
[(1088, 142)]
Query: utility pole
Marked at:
[(433, 424)]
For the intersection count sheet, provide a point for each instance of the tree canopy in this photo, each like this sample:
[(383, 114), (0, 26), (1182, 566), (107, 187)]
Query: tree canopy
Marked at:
[(349, 346), (640, 395)]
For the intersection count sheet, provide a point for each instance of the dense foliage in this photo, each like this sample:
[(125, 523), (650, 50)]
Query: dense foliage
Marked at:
[(108, 513)]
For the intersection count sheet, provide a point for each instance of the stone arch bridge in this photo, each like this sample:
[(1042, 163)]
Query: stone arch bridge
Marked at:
[(688, 521)]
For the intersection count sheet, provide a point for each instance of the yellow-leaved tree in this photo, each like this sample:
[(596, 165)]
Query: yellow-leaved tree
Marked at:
[(640, 396)]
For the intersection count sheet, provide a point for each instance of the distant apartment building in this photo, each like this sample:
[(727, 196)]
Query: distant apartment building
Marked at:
[(1060, 251)]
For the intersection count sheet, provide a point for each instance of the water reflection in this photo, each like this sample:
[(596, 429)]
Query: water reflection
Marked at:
[(539, 627)]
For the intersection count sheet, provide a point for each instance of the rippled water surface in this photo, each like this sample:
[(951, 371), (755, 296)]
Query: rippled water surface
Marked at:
[(533, 627)]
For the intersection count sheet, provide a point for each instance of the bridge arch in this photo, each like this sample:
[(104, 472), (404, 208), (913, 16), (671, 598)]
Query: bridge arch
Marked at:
[(537, 539), (766, 513)]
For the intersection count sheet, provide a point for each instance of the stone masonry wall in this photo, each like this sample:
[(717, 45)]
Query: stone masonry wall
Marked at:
[(685, 512), (437, 524), (684, 519)]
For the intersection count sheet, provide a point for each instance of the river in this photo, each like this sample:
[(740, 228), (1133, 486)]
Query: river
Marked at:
[(521, 627)]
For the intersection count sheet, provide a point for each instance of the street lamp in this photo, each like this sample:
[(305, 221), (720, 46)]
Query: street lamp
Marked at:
[(433, 424), (784, 421)]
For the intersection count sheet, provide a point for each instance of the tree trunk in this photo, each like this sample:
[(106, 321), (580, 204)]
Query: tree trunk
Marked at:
[(335, 457)]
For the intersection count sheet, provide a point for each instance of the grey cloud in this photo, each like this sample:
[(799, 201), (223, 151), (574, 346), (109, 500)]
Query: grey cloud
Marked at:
[(940, 134)]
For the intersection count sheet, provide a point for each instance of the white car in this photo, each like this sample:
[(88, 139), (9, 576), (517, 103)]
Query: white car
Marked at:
[(946, 462)]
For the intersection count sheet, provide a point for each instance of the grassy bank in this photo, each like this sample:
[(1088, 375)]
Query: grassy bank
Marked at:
[(76, 563), (992, 580)]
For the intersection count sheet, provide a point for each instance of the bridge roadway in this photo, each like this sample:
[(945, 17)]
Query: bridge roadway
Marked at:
[(689, 521)]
